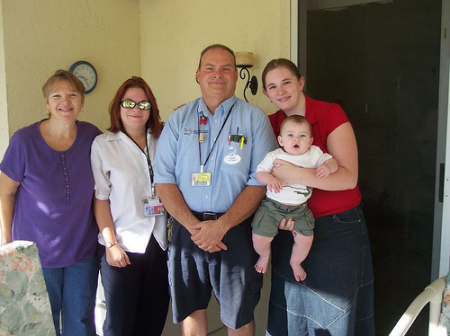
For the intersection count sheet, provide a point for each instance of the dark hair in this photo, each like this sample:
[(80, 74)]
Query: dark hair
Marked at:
[(154, 122), (297, 119), (63, 75), (277, 63), (217, 46)]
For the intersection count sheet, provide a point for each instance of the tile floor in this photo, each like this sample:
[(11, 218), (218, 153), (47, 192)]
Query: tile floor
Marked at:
[(219, 332)]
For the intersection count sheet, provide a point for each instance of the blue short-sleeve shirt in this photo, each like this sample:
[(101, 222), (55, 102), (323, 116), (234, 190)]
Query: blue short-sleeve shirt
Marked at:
[(232, 164)]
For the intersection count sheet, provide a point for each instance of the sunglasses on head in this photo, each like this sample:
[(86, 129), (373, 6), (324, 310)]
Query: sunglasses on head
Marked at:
[(129, 104)]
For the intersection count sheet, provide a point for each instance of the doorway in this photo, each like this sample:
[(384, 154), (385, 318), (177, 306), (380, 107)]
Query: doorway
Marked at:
[(380, 62)]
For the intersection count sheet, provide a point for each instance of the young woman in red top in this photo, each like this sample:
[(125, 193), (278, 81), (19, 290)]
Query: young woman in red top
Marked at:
[(337, 296)]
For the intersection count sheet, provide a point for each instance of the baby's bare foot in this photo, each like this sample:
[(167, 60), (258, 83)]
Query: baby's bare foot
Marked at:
[(261, 264), (299, 272)]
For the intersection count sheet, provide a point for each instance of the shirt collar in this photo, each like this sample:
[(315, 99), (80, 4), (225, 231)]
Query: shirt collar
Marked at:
[(110, 136), (223, 108)]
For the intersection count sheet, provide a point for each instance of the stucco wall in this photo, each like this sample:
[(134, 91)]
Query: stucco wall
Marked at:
[(43, 36), (174, 33), (4, 134), (158, 39)]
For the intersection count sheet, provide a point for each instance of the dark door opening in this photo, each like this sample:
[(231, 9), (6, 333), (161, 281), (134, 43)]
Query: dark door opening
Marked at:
[(380, 62)]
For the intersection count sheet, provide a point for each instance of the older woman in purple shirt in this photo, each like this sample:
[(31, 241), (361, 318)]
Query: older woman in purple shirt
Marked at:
[(46, 190)]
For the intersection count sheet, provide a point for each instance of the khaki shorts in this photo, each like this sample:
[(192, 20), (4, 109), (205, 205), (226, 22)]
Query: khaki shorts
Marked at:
[(270, 213)]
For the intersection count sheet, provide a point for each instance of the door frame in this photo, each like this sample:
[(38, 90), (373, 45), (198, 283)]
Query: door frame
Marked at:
[(441, 241), (441, 234)]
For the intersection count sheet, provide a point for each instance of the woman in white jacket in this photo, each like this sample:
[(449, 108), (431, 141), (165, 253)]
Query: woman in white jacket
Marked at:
[(130, 217)]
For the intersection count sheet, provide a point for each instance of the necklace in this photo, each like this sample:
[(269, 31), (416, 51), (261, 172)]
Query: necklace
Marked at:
[(58, 142)]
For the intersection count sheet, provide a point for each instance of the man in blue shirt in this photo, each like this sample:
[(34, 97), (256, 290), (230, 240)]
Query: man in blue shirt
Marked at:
[(205, 175)]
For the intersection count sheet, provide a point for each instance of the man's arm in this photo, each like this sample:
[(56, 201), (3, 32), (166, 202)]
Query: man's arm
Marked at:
[(211, 233), (175, 204)]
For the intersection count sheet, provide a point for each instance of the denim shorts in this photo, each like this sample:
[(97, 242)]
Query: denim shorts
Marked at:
[(336, 297), (194, 273)]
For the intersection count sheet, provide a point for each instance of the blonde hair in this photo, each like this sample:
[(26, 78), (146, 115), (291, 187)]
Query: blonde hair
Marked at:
[(63, 75)]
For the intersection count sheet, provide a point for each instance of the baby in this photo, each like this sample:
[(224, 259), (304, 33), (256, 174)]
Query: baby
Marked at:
[(289, 202)]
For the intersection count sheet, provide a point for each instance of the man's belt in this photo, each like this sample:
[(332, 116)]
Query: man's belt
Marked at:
[(205, 216)]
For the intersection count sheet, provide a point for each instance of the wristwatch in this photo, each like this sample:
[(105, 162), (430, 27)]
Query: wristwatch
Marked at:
[(109, 245)]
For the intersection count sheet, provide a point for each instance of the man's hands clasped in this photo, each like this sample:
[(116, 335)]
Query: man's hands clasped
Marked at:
[(208, 235)]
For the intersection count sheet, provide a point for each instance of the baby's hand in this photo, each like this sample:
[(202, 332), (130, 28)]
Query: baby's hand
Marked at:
[(274, 185), (287, 224), (323, 171)]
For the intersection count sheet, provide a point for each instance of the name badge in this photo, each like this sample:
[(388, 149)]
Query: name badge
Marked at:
[(201, 179), (153, 207), (232, 157)]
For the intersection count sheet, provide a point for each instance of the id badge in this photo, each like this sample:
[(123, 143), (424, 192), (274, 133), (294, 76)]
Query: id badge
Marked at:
[(201, 179), (153, 207), (232, 156)]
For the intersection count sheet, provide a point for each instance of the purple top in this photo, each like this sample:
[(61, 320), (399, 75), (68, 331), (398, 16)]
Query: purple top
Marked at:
[(53, 204)]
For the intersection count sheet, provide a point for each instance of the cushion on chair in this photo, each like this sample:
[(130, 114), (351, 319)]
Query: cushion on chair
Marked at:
[(445, 315), (24, 303)]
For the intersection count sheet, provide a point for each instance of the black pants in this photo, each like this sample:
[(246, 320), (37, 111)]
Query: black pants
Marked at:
[(137, 296)]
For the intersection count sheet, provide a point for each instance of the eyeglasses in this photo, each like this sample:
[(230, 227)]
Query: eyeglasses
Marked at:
[(129, 104)]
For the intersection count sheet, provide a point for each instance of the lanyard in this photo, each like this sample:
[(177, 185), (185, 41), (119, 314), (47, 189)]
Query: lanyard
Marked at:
[(202, 166), (147, 155)]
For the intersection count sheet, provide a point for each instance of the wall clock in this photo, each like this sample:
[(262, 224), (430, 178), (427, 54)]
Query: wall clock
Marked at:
[(86, 72)]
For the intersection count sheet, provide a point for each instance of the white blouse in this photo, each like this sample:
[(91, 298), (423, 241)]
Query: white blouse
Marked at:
[(122, 176)]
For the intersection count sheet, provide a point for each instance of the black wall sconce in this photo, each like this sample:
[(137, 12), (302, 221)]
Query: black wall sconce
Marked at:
[(244, 60)]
